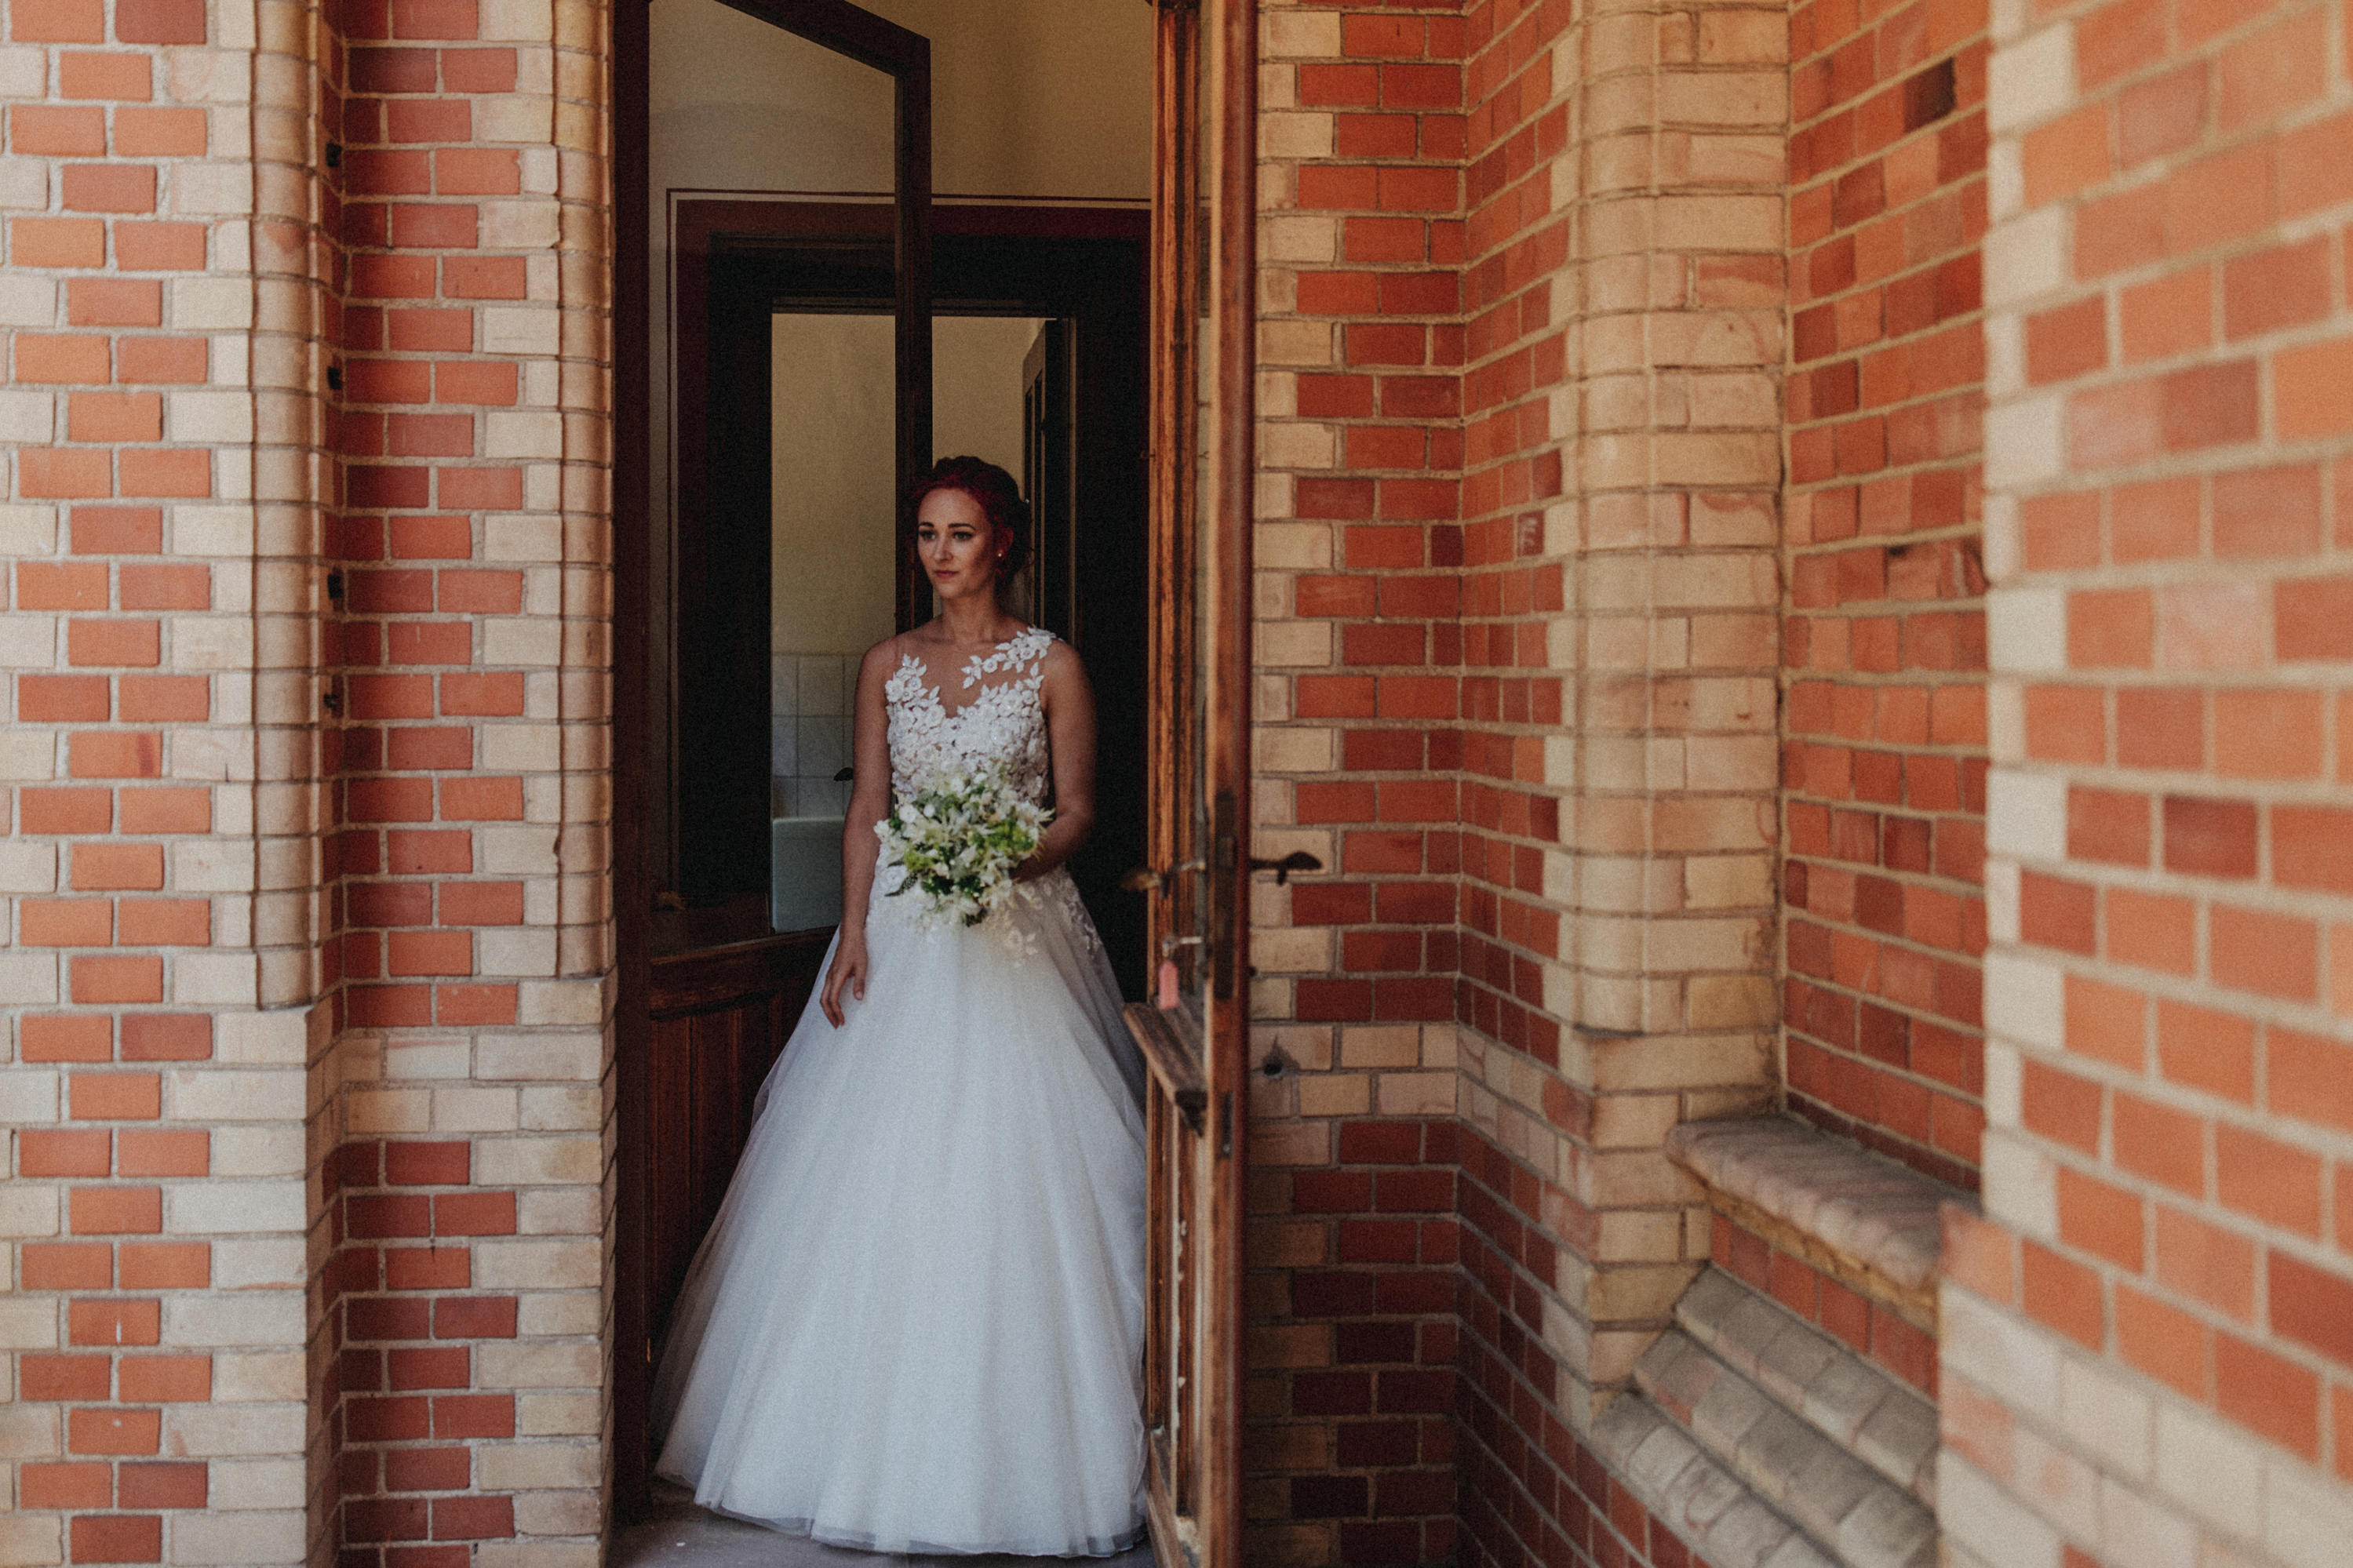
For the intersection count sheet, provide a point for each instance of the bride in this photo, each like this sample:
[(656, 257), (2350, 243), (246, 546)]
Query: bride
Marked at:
[(915, 1324)]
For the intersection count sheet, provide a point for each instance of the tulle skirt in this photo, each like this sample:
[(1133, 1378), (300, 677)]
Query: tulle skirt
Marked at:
[(915, 1325)]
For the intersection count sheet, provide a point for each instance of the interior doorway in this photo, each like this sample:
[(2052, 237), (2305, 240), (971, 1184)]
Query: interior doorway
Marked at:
[(790, 562), (778, 386), (787, 545)]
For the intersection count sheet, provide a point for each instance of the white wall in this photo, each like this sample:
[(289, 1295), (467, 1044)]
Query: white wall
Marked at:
[(833, 556), (1030, 98), (831, 505)]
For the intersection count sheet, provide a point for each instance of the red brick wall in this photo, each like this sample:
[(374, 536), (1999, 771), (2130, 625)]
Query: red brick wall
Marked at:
[(189, 869), (1352, 1251), (1416, 640), (446, 650), (2169, 1165), (1530, 1491), (1883, 642)]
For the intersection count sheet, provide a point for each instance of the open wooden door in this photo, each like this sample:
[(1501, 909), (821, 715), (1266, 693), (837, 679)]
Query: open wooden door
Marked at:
[(1194, 1030)]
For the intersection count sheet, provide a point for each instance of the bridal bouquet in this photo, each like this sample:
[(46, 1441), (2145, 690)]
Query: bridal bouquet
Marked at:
[(959, 841)]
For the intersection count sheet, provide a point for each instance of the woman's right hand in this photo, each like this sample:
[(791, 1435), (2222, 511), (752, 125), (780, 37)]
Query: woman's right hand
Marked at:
[(848, 973)]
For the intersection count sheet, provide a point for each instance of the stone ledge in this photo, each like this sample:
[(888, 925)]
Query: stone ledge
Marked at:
[(1869, 1222)]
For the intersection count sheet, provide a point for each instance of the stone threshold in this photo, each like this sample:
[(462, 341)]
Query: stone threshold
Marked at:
[(1867, 1222)]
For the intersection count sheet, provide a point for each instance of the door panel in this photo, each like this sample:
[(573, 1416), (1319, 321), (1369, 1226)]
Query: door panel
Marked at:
[(720, 1020), (1194, 1030)]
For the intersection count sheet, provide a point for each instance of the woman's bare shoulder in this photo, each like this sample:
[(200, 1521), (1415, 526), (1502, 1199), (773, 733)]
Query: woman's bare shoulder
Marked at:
[(1061, 669)]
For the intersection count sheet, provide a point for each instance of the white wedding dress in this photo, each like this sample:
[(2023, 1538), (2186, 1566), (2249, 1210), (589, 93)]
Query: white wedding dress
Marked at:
[(915, 1325)]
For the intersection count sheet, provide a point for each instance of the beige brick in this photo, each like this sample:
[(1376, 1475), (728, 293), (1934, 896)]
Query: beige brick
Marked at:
[(28, 1323), (238, 1540), (559, 1513), (474, 1110), (539, 1057), (1333, 1094), (2031, 78), (562, 1414), (1301, 35), (262, 1319), (1294, 342), (1978, 1515), (242, 1485), (257, 1377), (538, 1553), (556, 1314), (516, 1364), (1386, 1046), (32, 1540), (234, 1431), (529, 1466), (536, 1265), (526, 1162), (1416, 1093)]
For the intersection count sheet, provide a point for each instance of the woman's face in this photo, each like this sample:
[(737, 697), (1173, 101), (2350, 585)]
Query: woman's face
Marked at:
[(955, 544)]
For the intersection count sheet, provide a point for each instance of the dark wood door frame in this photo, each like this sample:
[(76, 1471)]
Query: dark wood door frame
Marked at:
[(906, 59), (737, 262)]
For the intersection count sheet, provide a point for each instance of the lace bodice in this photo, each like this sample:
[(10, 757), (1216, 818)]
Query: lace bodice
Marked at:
[(1000, 719)]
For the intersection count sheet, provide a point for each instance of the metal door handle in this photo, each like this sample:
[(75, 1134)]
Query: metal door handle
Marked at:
[(1144, 880)]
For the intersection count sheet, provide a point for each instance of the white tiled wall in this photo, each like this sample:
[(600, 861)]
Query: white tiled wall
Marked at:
[(809, 737)]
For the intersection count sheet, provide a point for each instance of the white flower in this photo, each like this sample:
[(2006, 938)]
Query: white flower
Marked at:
[(958, 842)]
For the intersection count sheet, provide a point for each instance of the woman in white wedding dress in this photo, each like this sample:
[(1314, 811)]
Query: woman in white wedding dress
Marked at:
[(915, 1324)]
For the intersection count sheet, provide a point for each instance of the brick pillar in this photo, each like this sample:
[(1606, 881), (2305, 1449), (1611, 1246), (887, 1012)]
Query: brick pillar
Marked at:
[(160, 765), (2158, 1313), (470, 847), (1624, 289)]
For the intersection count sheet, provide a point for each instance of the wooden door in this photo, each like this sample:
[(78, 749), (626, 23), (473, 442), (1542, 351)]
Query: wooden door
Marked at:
[(1193, 1029)]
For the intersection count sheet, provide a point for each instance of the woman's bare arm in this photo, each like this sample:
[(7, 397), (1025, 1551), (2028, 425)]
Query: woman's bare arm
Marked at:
[(1069, 703), (870, 802)]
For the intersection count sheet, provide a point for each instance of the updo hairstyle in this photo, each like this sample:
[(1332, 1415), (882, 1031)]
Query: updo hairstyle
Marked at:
[(998, 495)]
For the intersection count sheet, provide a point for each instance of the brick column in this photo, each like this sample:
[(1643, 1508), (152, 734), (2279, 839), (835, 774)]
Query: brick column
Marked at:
[(1624, 284), (161, 767), (469, 848)]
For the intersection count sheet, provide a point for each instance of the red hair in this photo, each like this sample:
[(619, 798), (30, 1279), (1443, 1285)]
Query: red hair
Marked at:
[(993, 490)]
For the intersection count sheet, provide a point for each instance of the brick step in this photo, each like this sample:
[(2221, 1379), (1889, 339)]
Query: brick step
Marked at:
[(1719, 1516), (1854, 1515), (1785, 1450), (1850, 1399)]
